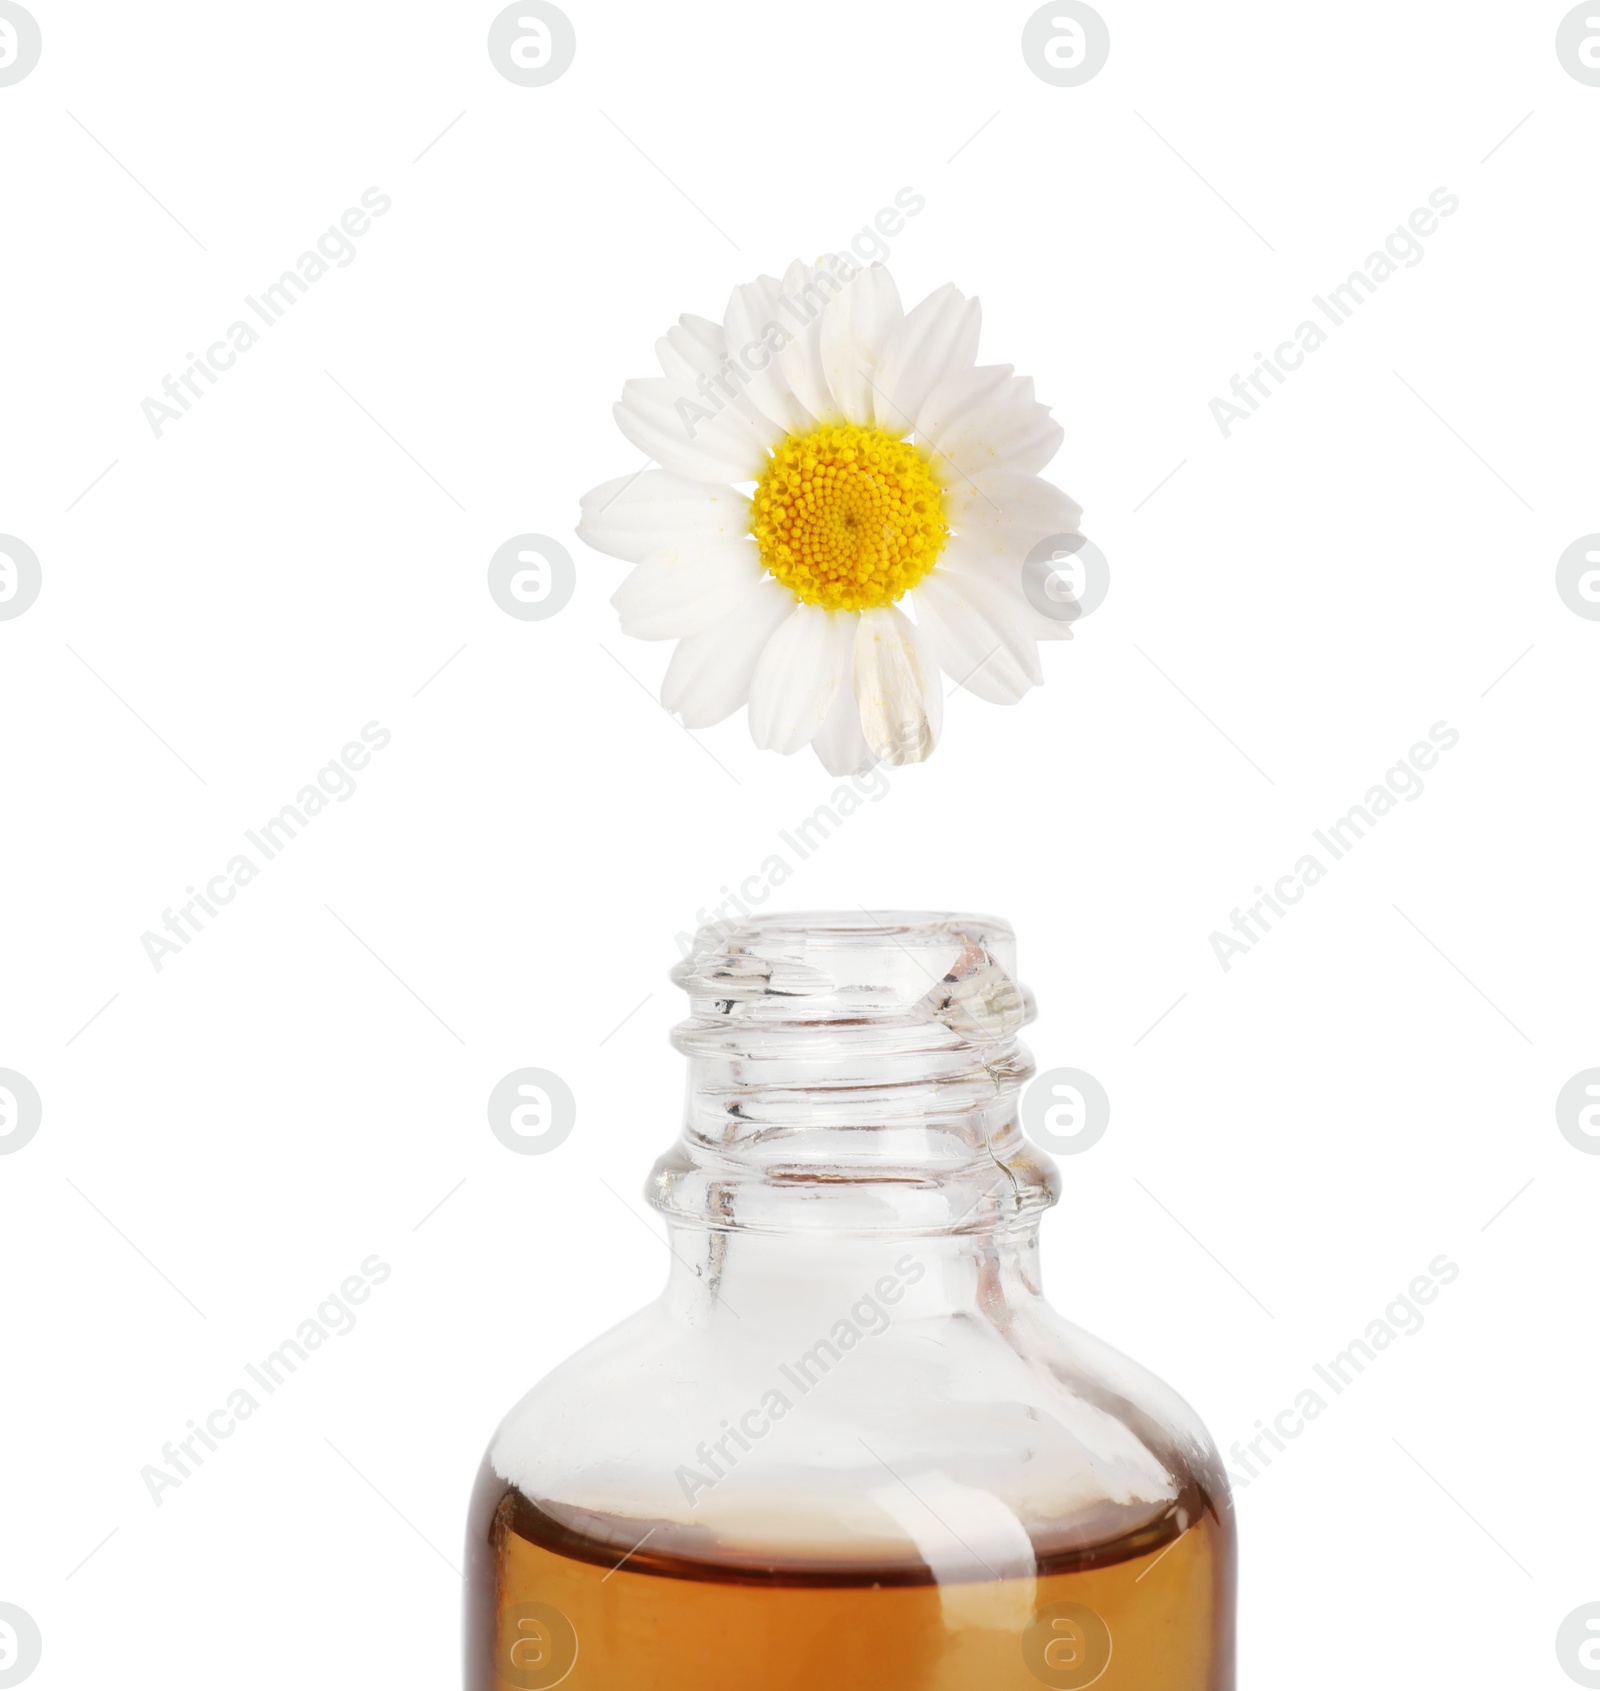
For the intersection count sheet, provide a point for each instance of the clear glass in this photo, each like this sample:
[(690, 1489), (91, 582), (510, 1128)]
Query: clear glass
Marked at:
[(851, 1444)]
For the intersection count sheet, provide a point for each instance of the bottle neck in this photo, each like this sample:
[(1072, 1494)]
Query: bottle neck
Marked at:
[(758, 1280), (854, 1076)]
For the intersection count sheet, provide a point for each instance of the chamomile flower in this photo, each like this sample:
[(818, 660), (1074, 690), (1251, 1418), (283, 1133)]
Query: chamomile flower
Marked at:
[(824, 463)]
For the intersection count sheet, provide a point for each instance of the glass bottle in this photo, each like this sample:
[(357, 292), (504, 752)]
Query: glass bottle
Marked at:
[(850, 1444)]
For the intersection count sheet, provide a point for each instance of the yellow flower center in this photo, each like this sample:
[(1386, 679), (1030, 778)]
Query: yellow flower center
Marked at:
[(848, 517)]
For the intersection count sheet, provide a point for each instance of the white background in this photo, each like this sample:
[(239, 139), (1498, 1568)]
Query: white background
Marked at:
[(229, 603)]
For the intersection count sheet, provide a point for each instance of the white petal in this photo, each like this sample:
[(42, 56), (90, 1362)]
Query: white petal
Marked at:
[(1004, 583), (685, 586), (898, 690), (939, 338), (999, 524), (986, 420), (978, 640), (678, 426), (633, 516), (757, 327), (957, 395), (697, 340), (999, 609), (798, 676), (807, 290), (1006, 515), (696, 347), (840, 744), (709, 676), (856, 329)]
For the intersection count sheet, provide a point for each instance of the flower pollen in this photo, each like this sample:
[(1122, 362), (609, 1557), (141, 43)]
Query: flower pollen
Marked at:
[(848, 517)]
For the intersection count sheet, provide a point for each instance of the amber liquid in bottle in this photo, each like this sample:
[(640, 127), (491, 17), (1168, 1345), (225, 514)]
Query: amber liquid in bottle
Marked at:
[(550, 1605)]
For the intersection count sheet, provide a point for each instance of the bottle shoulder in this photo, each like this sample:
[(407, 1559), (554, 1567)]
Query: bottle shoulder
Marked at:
[(1010, 1429)]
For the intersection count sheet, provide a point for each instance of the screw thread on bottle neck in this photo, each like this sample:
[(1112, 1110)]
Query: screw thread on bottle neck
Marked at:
[(854, 1073)]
